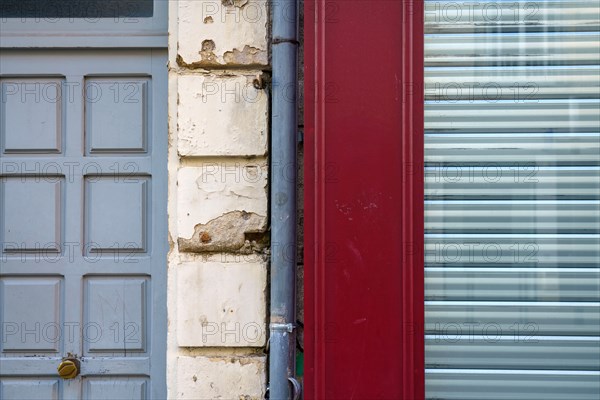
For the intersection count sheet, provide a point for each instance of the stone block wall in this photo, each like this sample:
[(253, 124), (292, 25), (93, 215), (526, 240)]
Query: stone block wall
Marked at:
[(218, 199)]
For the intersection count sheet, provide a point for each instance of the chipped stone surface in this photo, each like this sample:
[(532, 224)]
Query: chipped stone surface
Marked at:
[(221, 115), (245, 56), (218, 207), (236, 3), (228, 232), (232, 25), (207, 53), (229, 304), (227, 378), (212, 189)]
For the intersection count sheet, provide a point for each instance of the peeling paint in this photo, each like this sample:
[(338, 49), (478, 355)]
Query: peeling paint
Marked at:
[(207, 53), (218, 253), (247, 56), (236, 231), (194, 65), (205, 237), (231, 25), (208, 58), (246, 360), (234, 3)]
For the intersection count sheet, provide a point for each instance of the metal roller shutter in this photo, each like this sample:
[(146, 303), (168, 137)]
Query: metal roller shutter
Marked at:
[(512, 199)]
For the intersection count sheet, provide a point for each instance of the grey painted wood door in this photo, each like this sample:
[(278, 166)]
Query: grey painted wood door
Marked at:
[(83, 144)]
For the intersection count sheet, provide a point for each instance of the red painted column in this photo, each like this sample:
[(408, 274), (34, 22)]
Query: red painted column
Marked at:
[(364, 200)]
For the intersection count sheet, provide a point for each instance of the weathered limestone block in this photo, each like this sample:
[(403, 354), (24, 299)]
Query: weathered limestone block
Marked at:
[(231, 378), (221, 304), (222, 33), (221, 115), (221, 205)]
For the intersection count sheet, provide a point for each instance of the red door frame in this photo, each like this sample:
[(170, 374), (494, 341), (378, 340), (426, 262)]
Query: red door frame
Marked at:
[(364, 199)]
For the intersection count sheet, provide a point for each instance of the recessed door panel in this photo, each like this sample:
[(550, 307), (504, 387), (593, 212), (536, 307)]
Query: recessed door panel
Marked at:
[(128, 388), (116, 112), (30, 389), (117, 307), (32, 213), (31, 314), (31, 111), (116, 214)]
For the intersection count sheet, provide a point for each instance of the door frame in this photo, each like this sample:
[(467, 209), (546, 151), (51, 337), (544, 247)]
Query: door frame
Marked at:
[(120, 31), (364, 69)]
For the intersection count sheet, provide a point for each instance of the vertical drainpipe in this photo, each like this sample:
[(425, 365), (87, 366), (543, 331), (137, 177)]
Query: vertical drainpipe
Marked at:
[(283, 200)]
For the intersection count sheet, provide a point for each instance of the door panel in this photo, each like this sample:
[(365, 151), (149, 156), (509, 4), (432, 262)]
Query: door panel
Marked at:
[(42, 130), (30, 389), (127, 129), (31, 314), (33, 213), (119, 306), (83, 222), (129, 388)]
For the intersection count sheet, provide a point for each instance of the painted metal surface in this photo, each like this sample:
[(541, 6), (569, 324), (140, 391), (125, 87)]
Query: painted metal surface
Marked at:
[(510, 16), (512, 175), (475, 384), (83, 223), (282, 327), (363, 200)]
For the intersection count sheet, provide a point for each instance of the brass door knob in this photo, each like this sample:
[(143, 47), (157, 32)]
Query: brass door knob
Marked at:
[(68, 368)]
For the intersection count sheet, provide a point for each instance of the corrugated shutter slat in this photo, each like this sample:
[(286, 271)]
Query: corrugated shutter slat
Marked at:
[(512, 209)]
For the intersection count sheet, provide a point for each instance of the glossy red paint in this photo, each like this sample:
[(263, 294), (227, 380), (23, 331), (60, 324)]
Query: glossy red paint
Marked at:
[(364, 200)]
